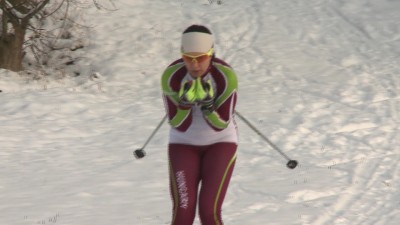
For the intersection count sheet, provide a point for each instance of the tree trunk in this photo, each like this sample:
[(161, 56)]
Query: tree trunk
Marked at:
[(11, 48), (12, 43)]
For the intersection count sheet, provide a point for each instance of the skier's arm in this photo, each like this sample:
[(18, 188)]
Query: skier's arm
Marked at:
[(179, 117), (224, 105)]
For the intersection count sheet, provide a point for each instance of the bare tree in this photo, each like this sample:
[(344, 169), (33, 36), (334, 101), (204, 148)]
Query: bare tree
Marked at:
[(22, 29), (52, 37), (15, 18)]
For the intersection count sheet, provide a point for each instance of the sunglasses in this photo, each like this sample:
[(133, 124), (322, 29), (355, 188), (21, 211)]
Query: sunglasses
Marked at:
[(198, 58)]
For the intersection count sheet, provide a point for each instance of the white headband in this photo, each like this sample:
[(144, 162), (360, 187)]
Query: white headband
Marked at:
[(197, 42)]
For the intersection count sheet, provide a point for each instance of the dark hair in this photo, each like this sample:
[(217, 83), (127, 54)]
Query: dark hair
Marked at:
[(197, 28)]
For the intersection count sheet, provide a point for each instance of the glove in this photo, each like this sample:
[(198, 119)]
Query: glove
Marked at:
[(205, 96), (207, 107), (187, 95)]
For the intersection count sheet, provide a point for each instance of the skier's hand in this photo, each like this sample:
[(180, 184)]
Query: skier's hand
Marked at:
[(205, 96), (204, 90), (187, 95)]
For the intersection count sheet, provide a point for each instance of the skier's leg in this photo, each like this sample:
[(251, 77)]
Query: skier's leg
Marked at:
[(216, 171), (184, 164)]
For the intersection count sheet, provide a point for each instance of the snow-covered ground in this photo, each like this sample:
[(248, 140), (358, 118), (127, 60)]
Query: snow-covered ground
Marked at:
[(320, 78)]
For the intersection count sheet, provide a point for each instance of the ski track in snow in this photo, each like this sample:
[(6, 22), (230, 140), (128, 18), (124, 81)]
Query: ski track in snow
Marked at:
[(319, 78), (358, 97)]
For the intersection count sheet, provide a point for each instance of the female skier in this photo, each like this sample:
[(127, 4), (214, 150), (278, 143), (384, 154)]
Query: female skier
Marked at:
[(200, 92)]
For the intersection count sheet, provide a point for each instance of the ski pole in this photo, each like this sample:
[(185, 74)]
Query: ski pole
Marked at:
[(140, 153), (291, 164)]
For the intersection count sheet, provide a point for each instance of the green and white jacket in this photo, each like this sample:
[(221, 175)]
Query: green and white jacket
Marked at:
[(192, 126)]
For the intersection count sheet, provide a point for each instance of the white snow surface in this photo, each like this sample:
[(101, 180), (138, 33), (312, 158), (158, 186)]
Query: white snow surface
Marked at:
[(321, 79)]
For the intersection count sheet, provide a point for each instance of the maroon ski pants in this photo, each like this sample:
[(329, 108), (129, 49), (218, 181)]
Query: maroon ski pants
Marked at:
[(212, 167)]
